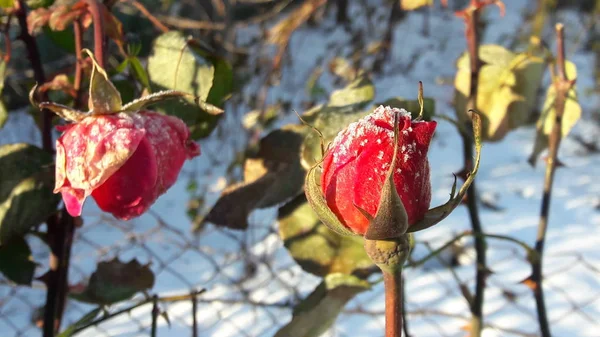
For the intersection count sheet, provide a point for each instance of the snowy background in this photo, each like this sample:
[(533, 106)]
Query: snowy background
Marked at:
[(250, 279)]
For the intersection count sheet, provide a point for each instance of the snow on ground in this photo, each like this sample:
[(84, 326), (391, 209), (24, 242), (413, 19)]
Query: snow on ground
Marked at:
[(248, 275)]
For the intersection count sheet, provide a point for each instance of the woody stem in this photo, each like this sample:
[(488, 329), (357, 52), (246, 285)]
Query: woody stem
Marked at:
[(392, 281)]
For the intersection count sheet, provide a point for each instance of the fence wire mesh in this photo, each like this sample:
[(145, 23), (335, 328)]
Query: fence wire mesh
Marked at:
[(250, 280)]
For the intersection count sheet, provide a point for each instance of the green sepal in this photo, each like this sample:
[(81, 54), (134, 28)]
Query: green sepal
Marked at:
[(64, 112), (391, 220), (437, 214), (315, 198), (160, 96), (104, 96), (390, 255)]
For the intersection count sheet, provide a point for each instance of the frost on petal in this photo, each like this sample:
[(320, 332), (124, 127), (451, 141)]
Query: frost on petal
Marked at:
[(74, 199), (97, 147), (168, 137), (111, 153), (60, 175)]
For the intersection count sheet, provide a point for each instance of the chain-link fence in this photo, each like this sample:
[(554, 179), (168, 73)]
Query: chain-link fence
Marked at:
[(249, 280)]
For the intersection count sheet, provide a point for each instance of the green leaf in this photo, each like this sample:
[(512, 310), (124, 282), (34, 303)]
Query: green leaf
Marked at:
[(7, 3), (139, 72), (3, 111), (361, 91), (316, 248), (64, 39), (507, 91), (26, 189), (16, 262), (412, 106), (121, 67), (35, 4), (329, 121), (82, 322), (175, 65), (3, 114), (115, 281), (410, 5), (547, 119), (316, 313), (344, 107), (272, 177)]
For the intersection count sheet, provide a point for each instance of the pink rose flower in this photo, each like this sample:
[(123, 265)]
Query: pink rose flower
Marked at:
[(125, 161)]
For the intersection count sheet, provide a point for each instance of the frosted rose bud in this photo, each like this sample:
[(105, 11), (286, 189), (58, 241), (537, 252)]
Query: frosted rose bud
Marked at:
[(125, 161), (356, 165)]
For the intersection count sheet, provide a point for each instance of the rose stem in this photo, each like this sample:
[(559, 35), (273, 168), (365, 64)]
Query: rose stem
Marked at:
[(54, 227), (476, 303), (94, 8), (69, 223), (404, 312), (392, 282), (562, 85)]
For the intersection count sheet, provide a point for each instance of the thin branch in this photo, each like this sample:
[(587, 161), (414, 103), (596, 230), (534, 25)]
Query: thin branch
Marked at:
[(155, 21), (562, 85), (7, 42), (155, 313), (165, 299), (471, 18), (78, 32), (184, 23), (33, 54), (194, 318)]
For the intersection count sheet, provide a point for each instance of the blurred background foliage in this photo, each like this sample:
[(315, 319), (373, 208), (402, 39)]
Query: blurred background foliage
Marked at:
[(199, 47)]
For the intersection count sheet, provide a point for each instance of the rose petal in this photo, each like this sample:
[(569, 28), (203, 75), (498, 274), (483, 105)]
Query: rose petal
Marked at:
[(130, 190), (73, 199)]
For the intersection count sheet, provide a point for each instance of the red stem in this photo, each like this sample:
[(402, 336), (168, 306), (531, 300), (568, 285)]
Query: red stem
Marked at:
[(99, 41), (78, 31), (392, 282)]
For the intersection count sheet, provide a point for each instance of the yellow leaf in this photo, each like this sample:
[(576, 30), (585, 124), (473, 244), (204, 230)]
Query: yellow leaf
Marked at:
[(409, 5), (546, 121), (507, 89)]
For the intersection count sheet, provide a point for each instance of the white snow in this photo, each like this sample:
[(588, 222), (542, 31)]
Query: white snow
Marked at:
[(247, 274)]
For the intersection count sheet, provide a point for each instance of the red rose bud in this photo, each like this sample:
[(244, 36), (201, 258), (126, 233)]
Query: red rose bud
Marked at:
[(355, 167), (125, 161)]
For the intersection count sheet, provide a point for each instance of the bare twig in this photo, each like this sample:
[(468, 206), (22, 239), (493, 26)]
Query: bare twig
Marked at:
[(78, 32), (194, 318), (184, 23), (33, 54), (155, 312), (562, 85), (386, 44), (55, 229), (471, 18), (7, 42), (142, 9), (165, 299)]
